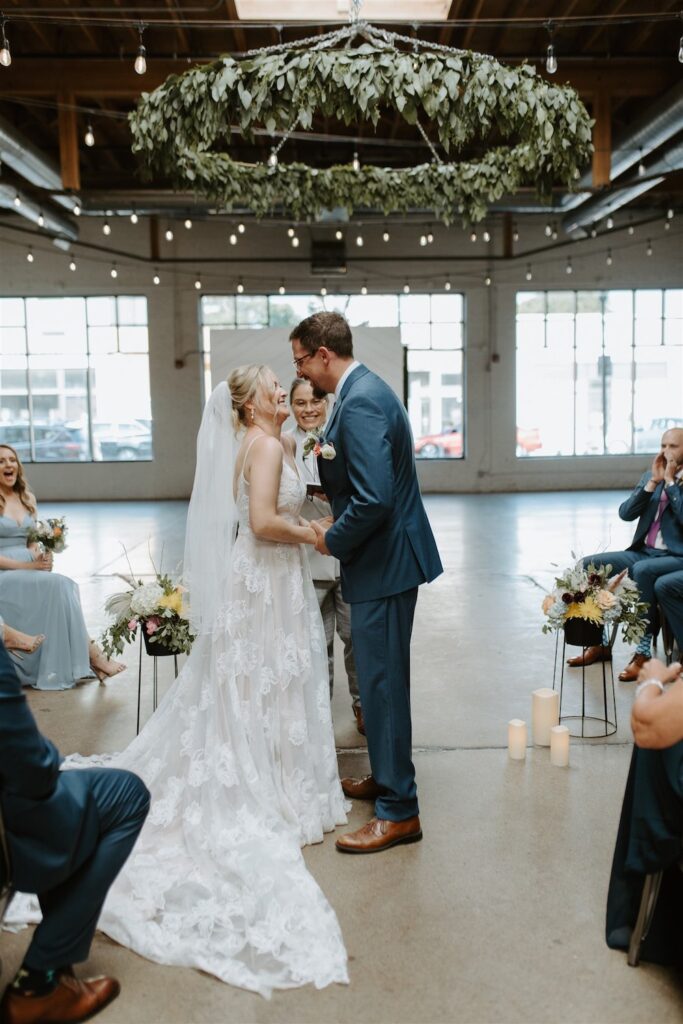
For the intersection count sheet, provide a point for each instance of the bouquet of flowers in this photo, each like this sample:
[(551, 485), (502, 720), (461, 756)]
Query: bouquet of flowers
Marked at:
[(316, 443), (591, 594), (157, 607), (51, 533)]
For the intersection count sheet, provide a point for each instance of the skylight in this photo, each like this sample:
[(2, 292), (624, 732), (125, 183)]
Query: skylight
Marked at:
[(313, 11)]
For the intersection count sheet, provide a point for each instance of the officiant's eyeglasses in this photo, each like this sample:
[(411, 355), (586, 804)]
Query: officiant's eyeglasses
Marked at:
[(298, 363)]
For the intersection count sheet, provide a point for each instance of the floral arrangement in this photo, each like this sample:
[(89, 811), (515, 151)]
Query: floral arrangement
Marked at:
[(315, 442), (157, 607), (51, 533), (590, 594)]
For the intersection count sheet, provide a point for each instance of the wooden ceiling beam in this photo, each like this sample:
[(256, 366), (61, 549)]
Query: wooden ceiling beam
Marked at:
[(471, 29), (446, 33), (68, 144), (180, 29), (238, 33)]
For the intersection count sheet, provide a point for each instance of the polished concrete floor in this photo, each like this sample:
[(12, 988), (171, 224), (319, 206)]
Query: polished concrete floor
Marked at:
[(498, 915)]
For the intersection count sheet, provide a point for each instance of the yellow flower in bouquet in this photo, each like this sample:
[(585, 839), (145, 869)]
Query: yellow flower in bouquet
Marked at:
[(174, 601), (586, 609)]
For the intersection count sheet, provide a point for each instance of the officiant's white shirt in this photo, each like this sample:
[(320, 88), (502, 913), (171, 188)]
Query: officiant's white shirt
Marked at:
[(323, 567)]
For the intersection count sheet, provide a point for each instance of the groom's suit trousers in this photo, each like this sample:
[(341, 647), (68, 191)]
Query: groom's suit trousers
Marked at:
[(381, 642)]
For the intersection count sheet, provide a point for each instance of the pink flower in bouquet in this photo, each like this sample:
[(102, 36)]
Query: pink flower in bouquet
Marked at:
[(133, 625), (152, 625)]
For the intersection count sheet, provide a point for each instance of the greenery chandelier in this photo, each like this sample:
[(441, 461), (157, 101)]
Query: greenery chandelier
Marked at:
[(543, 131)]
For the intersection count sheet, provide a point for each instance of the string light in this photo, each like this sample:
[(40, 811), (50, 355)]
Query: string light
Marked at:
[(140, 61), (29, 255), (134, 217), (385, 235), (17, 200), (667, 225), (323, 290), (554, 234), (423, 240), (5, 52), (282, 289), (486, 236), (114, 272), (548, 229), (355, 163), (550, 58), (569, 269), (430, 236), (188, 223), (670, 213), (641, 166), (648, 251), (608, 258), (106, 228), (156, 279), (295, 242), (72, 264), (168, 235), (447, 285), (89, 137), (233, 239), (473, 236), (609, 223), (339, 234), (631, 229), (406, 289), (77, 210), (515, 233), (272, 159), (487, 280), (359, 241), (528, 275), (240, 287), (241, 228), (198, 283), (41, 220), (291, 232), (594, 232), (364, 289)]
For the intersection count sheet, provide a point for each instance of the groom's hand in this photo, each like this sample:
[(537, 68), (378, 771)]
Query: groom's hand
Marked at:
[(321, 527)]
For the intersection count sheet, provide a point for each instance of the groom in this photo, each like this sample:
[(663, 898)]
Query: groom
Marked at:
[(383, 540)]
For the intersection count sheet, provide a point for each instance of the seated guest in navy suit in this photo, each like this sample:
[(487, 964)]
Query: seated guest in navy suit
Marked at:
[(69, 833), (669, 593), (657, 546)]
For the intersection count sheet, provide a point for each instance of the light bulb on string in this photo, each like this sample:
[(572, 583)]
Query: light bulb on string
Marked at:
[(609, 223), (594, 232), (77, 210), (667, 225), (168, 235), (282, 289), (272, 159), (423, 240), (295, 242), (114, 271), (430, 236), (240, 287), (528, 274), (5, 52), (550, 58), (89, 137), (72, 264), (670, 213), (323, 290), (487, 280), (106, 228), (406, 289), (188, 223), (569, 269), (680, 51), (41, 220), (17, 200), (359, 241), (554, 234), (631, 229), (339, 234), (641, 165), (364, 289), (486, 235), (29, 255), (134, 217), (649, 249), (548, 229), (291, 232), (447, 285), (241, 228), (233, 238), (156, 279), (198, 283), (141, 59), (608, 258), (355, 163), (515, 233), (473, 236), (385, 235)]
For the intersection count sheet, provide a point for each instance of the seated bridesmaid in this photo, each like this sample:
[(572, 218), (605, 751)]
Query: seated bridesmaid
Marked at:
[(38, 600)]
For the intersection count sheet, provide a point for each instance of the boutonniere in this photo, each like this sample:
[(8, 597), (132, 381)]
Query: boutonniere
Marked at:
[(316, 444)]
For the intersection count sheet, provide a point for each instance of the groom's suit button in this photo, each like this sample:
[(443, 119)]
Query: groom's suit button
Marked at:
[(361, 789), (380, 834)]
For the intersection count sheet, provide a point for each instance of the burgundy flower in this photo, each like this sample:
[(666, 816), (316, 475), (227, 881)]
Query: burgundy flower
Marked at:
[(579, 596), (567, 598)]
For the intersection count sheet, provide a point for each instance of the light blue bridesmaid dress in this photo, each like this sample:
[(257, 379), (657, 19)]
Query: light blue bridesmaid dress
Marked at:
[(42, 602)]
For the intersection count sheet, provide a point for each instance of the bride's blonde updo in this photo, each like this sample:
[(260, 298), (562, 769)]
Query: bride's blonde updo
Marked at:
[(244, 383)]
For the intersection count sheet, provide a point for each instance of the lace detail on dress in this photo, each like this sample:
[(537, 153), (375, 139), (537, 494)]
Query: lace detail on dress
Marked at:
[(241, 762)]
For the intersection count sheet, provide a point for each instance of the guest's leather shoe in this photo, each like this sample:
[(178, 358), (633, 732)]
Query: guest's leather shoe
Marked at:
[(380, 834), (590, 656), (360, 723), (361, 789), (69, 1002), (632, 670)]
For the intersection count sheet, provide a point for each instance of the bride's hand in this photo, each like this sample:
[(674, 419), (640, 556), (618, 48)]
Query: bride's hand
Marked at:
[(309, 535)]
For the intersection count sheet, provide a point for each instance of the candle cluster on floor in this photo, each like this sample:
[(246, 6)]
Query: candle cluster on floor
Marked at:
[(546, 730)]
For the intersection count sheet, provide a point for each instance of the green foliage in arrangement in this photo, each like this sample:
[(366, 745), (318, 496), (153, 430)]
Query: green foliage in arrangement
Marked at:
[(182, 129)]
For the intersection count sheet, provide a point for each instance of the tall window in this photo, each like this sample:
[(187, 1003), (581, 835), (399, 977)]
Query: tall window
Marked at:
[(74, 378), (432, 334), (598, 372)]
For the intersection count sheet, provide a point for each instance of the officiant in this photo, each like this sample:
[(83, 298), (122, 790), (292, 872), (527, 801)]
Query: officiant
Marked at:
[(310, 409)]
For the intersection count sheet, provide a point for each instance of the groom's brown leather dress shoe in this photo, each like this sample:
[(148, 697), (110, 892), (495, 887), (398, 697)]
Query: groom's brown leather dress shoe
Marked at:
[(591, 655), (632, 670), (361, 789), (69, 1002), (380, 834)]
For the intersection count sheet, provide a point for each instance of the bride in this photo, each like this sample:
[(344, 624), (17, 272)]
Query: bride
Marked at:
[(240, 755)]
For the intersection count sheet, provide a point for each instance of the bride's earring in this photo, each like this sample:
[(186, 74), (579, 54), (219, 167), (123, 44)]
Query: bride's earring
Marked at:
[(252, 415)]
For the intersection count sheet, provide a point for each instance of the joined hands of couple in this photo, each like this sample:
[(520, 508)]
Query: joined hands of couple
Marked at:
[(320, 528)]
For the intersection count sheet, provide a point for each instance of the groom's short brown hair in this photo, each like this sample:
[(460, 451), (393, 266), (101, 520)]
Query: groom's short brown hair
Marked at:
[(330, 330)]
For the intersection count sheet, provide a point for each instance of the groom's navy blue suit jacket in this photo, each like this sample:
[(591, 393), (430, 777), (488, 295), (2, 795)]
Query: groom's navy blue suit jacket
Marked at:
[(381, 534), (48, 814)]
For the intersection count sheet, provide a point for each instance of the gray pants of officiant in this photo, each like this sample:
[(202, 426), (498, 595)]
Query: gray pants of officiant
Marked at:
[(645, 567), (335, 611)]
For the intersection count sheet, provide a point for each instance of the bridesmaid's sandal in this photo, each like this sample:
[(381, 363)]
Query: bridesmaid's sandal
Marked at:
[(102, 666), (15, 640)]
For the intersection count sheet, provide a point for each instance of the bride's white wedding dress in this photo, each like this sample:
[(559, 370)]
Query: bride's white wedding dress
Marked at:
[(241, 764)]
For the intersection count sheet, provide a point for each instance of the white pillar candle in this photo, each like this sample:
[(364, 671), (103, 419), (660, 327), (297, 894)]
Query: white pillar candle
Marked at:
[(559, 746), (545, 713), (517, 739)]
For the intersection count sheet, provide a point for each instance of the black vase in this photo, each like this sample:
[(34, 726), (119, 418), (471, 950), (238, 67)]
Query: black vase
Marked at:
[(157, 648), (582, 633)]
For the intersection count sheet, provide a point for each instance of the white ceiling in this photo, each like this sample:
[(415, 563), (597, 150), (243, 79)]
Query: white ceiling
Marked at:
[(279, 11)]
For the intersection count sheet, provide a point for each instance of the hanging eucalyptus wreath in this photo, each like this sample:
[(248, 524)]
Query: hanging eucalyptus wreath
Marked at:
[(544, 129)]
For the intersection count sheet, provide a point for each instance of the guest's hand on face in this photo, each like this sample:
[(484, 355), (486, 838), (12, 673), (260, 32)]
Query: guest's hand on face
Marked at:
[(320, 531), (655, 669), (670, 470), (658, 467)]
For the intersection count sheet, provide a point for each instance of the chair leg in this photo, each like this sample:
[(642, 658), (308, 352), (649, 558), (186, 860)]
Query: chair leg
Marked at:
[(648, 902)]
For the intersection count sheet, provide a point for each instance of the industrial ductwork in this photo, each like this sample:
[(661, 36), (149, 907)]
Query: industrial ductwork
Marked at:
[(30, 163), (54, 221)]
